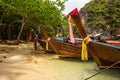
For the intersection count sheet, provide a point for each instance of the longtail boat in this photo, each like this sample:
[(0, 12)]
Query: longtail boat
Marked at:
[(63, 49), (105, 55), (41, 40), (43, 44)]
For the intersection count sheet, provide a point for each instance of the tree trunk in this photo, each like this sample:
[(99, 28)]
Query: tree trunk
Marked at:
[(9, 32), (20, 32), (1, 27)]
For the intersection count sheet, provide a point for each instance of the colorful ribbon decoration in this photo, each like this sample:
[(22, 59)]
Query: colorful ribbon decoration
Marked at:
[(71, 31), (47, 43), (84, 55)]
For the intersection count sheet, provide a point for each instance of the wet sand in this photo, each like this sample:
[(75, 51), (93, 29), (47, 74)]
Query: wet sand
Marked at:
[(23, 63)]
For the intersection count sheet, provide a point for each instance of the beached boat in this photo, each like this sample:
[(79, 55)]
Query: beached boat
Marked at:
[(41, 40), (43, 44), (62, 48), (105, 55)]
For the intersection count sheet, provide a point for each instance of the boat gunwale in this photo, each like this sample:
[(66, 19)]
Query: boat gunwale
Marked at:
[(100, 43)]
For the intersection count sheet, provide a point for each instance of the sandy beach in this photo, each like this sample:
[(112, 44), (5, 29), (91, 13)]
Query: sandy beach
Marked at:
[(22, 62)]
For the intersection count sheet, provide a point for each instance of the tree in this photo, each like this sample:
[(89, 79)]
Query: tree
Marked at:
[(32, 13)]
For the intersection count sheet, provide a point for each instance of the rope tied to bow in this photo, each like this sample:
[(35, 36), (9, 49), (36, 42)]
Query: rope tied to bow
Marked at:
[(84, 55), (47, 43)]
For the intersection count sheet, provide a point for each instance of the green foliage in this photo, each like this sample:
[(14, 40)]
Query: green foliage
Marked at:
[(35, 12)]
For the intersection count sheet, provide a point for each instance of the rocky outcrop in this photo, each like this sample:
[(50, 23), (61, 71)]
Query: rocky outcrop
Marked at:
[(96, 18)]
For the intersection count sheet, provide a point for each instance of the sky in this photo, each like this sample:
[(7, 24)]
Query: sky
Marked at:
[(72, 4)]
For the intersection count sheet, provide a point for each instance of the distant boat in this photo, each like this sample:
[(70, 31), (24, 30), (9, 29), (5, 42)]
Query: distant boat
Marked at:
[(105, 55), (112, 42), (107, 41)]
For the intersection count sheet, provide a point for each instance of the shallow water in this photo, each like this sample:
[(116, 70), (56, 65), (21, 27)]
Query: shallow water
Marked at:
[(75, 69)]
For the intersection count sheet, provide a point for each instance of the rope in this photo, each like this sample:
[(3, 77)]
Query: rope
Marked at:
[(47, 43)]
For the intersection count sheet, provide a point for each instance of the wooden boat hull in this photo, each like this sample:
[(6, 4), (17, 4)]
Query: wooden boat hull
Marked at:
[(67, 49), (104, 55)]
